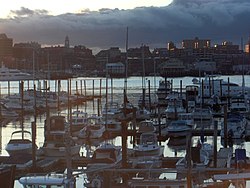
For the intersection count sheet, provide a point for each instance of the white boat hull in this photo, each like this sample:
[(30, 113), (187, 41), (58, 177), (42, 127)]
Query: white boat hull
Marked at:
[(15, 149), (145, 150), (60, 151)]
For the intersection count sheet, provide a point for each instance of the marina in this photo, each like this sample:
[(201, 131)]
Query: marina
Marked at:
[(52, 129)]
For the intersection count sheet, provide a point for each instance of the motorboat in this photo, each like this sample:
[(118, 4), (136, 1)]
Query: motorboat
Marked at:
[(147, 163), (48, 180), (178, 128), (204, 145), (146, 126), (105, 156), (94, 129), (177, 143), (148, 145), (202, 114), (162, 91), (78, 120), (200, 160), (56, 135), (191, 96), (142, 114), (7, 74), (236, 126), (59, 148), (239, 104), (187, 117), (112, 126), (111, 110), (220, 87), (20, 143), (174, 107), (127, 107)]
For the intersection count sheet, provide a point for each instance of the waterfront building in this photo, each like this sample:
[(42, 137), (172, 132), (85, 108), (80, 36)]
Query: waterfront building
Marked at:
[(23, 54), (115, 69), (172, 67), (205, 65), (196, 43), (5, 46)]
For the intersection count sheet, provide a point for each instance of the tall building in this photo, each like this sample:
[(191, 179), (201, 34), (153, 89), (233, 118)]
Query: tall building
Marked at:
[(6, 44), (66, 45), (196, 43)]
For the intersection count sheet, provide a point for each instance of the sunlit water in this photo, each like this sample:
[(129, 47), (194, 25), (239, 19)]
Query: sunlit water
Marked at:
[(134, 89)]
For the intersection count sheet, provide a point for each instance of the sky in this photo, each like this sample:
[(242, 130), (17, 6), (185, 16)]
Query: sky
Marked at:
[(101, 24), (55, 7)]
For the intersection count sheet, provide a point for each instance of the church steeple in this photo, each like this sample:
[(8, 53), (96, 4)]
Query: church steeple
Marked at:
[(66, 44)]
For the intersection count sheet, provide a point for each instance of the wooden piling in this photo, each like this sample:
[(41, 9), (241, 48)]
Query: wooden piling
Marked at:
[(202, 93), (181, 88), (124, 144), (225, 127), (85, 91), (149, 94), (215, 143), (8, 88), (210, 86), (81, 86), (189, 164), (33, 131), (98, 107)]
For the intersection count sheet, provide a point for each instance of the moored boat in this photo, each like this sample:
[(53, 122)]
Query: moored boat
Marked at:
[(78, 121), (94, 128), (178, 128), (7, 74), (19, 143), (174, 107), (105, 156), (57, 132), (146, 126), (236, 126), (148, 145), (48, 180)]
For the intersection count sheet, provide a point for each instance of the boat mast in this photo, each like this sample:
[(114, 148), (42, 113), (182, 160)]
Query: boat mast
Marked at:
[(126, 63), (33, 63), (126, 73), (243, 63), (22, 108), (143, 68)]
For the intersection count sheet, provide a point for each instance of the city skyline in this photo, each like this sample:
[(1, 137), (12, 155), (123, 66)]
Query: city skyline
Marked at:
[(154, 25)]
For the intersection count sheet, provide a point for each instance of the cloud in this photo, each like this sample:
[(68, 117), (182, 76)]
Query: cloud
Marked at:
[(25, 12), (155, 26)]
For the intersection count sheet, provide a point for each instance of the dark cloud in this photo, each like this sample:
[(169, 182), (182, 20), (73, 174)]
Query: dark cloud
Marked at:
[(217, 20)]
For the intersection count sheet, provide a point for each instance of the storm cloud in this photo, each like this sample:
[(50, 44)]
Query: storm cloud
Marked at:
[(218, 20)]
